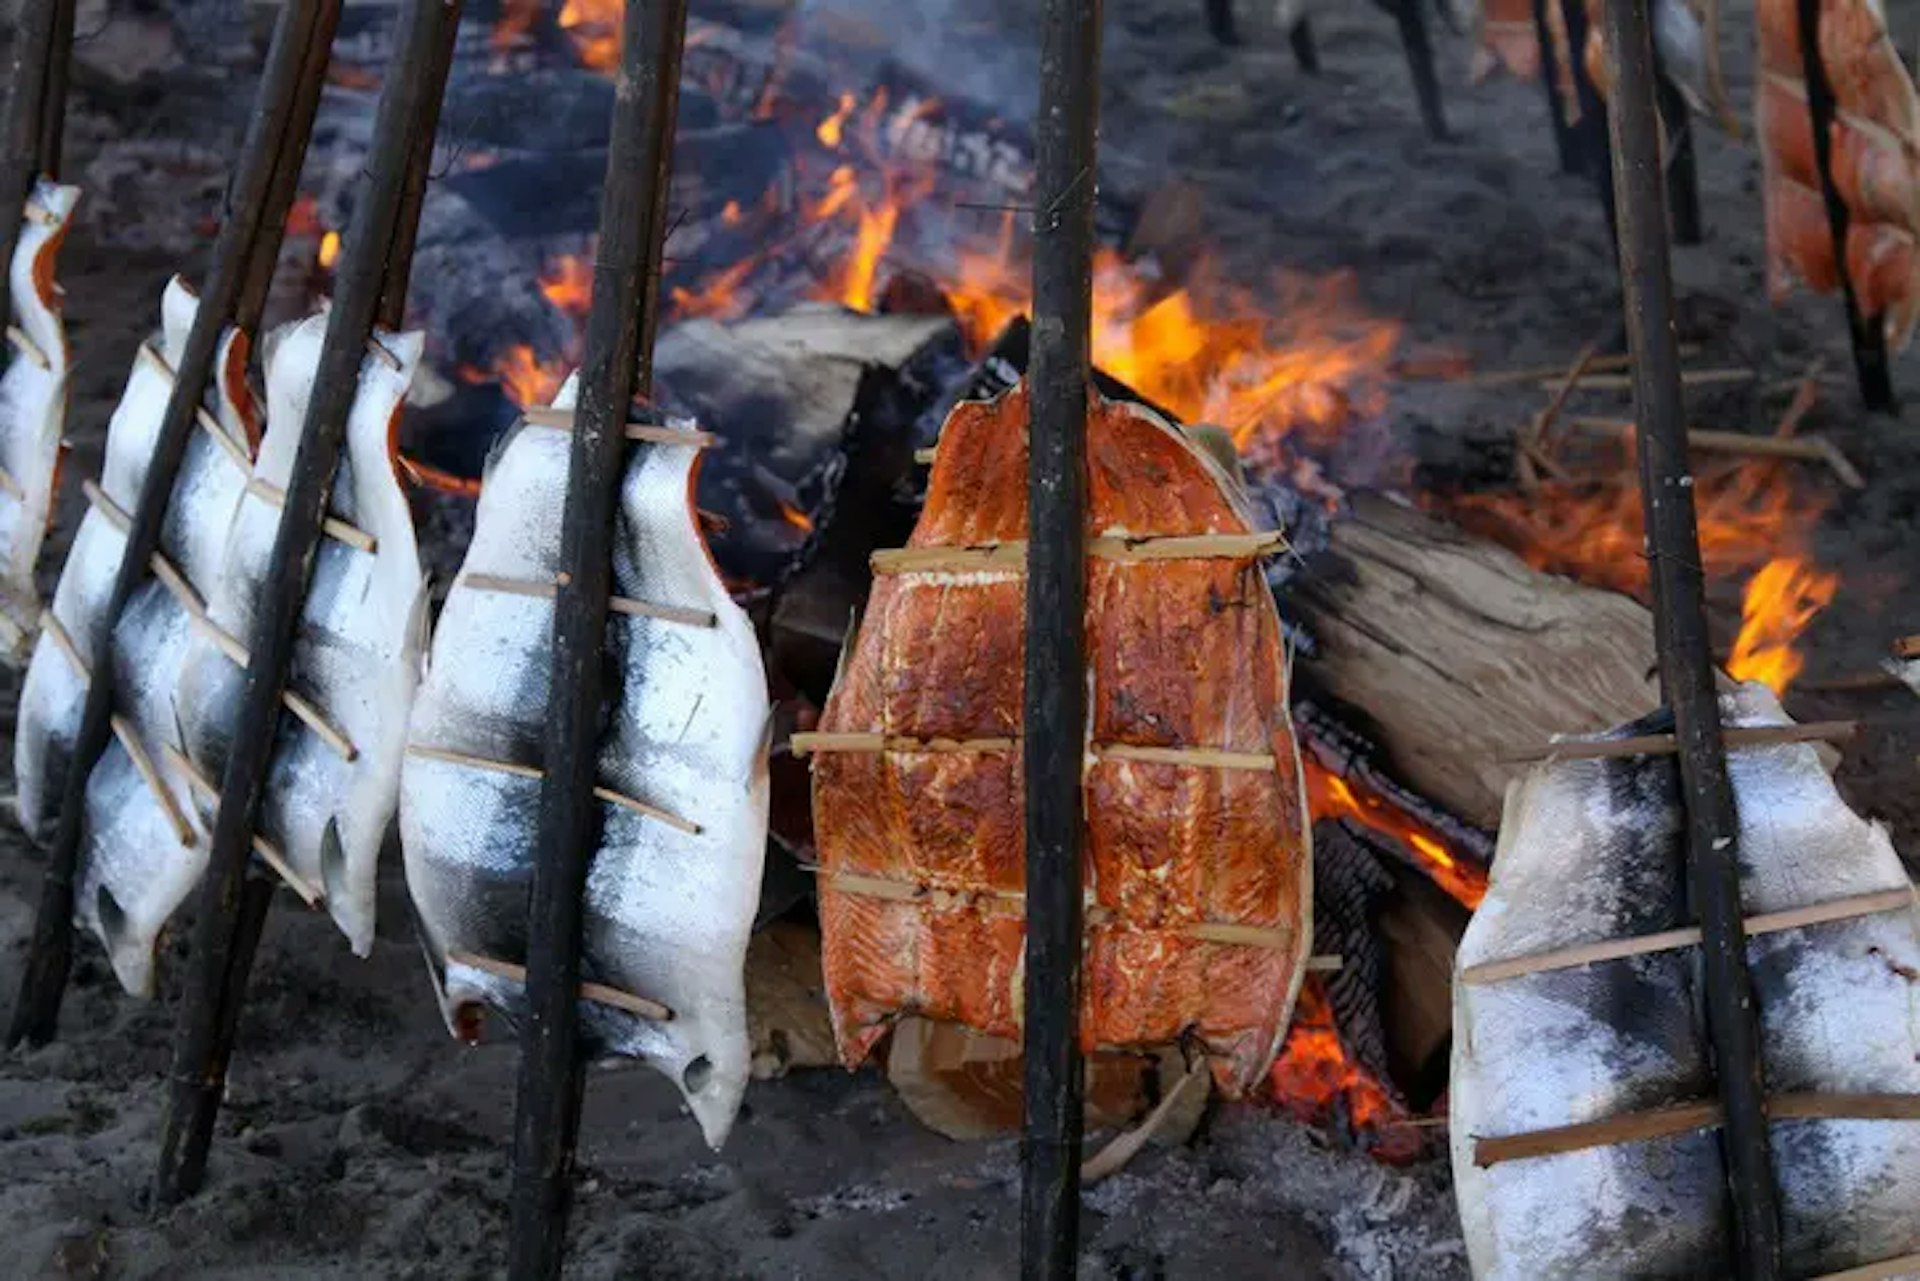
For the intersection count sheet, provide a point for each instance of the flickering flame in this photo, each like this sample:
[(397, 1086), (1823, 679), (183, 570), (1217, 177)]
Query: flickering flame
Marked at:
[(1331, 797), (796, 518), (833, 128), (524, 378), (1780, 601), (594, 27), (329, 250), (1314, 1079), (567, 283)]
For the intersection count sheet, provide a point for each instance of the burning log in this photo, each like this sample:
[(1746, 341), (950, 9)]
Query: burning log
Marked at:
[(1451, 651)]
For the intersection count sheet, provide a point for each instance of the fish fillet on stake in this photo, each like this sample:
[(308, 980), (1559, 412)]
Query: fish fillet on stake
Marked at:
[(1875, 145), (33, 409), (1198, 867), (141, 852), (331, 793), (1594, 850), (675, 880)]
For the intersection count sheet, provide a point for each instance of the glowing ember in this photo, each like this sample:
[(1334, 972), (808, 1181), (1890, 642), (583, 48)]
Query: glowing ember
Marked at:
[(594, 27), (833, 128), (1314, 1079), (1330, 796), (796, 518), (524, 378), (1780, 601), (329, 250)]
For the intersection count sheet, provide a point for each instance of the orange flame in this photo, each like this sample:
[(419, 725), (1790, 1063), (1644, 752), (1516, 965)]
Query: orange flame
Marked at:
[(1314, 1075), (796, 518), (594, 27), (524, 378), (833, 128), (1330, 796), (567, 283), (1780, 601), (329, 250)]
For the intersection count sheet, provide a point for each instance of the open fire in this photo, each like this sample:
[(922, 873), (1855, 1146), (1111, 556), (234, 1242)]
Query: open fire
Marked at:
[(1289, 368)]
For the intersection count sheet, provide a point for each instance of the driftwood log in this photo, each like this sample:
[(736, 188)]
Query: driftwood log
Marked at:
[(1453, 651)]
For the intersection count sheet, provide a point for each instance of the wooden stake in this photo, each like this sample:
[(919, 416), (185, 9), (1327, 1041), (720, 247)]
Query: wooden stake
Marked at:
[(32, 56), (1567, 958), (212, 979), (1563, 137), (1595, 749), (1054, 712), (617, 365), (50, 955), (1687, 670)]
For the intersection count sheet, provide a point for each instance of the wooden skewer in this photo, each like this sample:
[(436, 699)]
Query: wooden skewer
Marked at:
[(809, 742), (28, 348), (535, 772), (41, 215), (1011, 555), (1187, 756), (619, 604), (64, 643), (1657, 1123), (1885, 1270), (1814, 449), (1580, 749), (563, 419), (598, 993), (189, 600), (11, 486), (332, 526), (269, 852), (925, 457), (379, 351), (1667, 940), (136, 751), (1907, 647), (201, 414), (1688, 378)]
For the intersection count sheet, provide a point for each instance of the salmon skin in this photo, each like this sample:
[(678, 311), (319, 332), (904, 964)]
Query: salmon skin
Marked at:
[(1876, 131), (135, 867), (668, 910), (357, 653), (1198, 877), (1594, 850), (33, 410)]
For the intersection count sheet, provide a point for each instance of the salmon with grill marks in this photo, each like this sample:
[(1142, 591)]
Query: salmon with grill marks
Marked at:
[(1197, 873)]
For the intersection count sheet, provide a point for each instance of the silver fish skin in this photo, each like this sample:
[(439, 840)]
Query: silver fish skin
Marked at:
[(668, 914), (135, 869), (1594, 850), (360, 643), (33, 413)]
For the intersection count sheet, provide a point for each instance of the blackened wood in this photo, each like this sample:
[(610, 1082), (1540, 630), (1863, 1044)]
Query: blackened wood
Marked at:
[(1867, 332), (288, 166), (20, 147), (53, 94), (1590, 131), (197, 1080), (1563, 134), (1220, 22), (617, 364), (1055, 709), (406, 233), (50, 956), (1687, 671), (1683, 171), (1305, 52), (1418, 43)]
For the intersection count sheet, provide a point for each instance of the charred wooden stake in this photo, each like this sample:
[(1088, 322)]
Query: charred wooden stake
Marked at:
[(1683, 173), (1563, 131), (1055, 710), (1680, 621), (1590, 131), (286, 184), (51, 953), (1305, 52), (20, 162), (408, 104), (53, 93), (1412, 17), (616, 364), (1869, 338)]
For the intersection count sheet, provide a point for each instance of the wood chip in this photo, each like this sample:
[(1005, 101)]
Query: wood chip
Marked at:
[(27, 347), (534, 772), (130, 740), (1667, 940), (1012, 555), (563, 419), (269, 853), (1635, 1127), (619, 604), (598, 993), (1583, 749)]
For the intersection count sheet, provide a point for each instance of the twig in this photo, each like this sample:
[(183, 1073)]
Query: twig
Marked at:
[(1538, 440), (1578, 749)]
